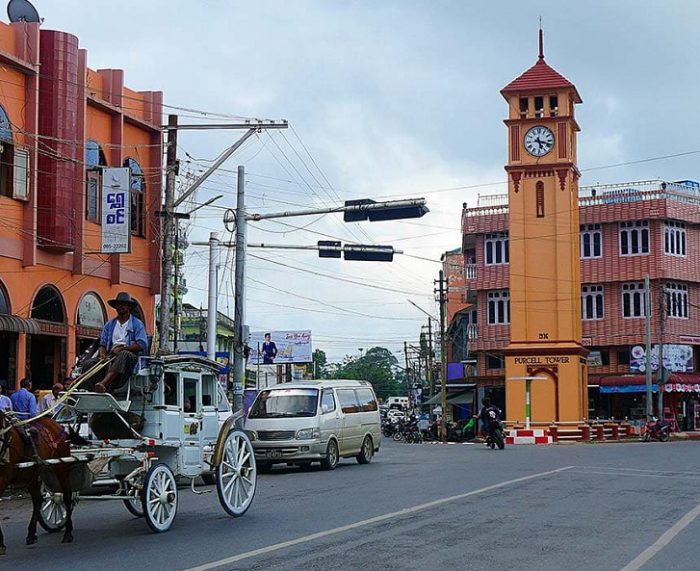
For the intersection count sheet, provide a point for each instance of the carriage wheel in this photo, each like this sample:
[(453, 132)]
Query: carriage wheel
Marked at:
[(134, 506), (159, 498), (236, 476), (52, 515)]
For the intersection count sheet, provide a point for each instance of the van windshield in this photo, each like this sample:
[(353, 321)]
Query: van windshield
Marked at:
[(282, 403)]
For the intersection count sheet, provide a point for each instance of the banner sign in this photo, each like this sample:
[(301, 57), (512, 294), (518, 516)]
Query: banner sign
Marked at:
[(116, 211), (275, 347), (677, 358)]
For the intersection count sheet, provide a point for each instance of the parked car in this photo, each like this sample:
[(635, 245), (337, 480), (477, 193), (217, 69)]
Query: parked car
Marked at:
[(315, 421)]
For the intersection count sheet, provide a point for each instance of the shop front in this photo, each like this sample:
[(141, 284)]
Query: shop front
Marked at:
[(46, 349)]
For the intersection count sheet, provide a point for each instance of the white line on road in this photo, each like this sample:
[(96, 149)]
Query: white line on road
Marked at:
[(370, 521), (666, 538), (633, 475)]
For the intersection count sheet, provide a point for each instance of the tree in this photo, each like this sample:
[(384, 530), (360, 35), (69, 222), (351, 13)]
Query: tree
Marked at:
[(378, 366), (320, 363)]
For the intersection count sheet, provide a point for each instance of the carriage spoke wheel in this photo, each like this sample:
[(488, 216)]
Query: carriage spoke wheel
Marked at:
[(236, 476), (52, 515), (159, 498)]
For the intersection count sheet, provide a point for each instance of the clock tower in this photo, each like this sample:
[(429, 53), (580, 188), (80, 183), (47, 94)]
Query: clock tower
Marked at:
[(546, 372)]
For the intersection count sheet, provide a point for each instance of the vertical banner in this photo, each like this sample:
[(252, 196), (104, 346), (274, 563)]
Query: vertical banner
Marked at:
[(116, 219)]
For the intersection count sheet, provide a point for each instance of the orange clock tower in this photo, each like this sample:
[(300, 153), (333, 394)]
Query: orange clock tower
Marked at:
[(546, 374)]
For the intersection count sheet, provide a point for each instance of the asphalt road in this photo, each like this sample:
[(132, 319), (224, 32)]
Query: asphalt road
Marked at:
[(605, 506)]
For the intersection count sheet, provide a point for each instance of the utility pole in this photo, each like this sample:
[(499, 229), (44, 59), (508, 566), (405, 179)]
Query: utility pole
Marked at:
[(431, 376), (239, 361), (660, 377), (409, 385), (647, 370), (212, 310), (443, 359), (167, 228)]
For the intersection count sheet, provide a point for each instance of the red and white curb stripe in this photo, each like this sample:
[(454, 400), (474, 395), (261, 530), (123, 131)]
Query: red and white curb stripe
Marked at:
[(525, 436)]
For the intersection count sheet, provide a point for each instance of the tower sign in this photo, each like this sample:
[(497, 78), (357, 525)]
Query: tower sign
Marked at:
[(545, 286)]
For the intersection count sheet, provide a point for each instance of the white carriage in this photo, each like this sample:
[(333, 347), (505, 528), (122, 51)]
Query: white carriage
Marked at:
[(161, 427)]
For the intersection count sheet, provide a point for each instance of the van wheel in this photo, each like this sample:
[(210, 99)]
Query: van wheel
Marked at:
[(331, 459), (366, 452)]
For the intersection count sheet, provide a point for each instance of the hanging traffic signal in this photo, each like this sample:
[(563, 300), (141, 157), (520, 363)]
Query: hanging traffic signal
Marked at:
[(329, 249), (364, 253)]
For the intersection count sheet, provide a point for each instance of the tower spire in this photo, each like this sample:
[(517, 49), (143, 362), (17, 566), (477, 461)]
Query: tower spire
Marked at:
[(541, 55)]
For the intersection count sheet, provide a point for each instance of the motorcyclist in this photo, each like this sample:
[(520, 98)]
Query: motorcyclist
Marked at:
[(485, 417)]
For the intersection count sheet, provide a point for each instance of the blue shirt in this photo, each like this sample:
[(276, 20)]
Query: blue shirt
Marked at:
[(5, 403), (135, 333), (24, 403)]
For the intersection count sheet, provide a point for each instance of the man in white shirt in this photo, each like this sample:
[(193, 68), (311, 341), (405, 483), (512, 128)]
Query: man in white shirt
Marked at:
[(49, 400)]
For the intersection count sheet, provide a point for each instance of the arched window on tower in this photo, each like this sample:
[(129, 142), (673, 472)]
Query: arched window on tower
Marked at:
[(94, 161), (539, 198), (138, 192)]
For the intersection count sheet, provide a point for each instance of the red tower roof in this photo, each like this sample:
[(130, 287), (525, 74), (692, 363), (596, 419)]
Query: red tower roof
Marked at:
[(540, 77)]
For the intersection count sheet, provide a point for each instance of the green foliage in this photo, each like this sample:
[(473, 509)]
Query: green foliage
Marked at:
[(320, 362), (378, 366)]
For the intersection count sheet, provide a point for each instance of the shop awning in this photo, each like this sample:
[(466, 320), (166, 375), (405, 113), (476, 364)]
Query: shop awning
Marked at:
[(465, 397), (16, 324)]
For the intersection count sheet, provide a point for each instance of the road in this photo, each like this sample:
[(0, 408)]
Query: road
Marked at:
[(598, 506)]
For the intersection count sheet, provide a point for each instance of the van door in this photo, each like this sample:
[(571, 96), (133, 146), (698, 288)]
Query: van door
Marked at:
[(329, 422), (352, 427)]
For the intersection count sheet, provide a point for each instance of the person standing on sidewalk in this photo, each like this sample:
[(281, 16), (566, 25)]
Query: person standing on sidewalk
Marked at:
[(5, 402), (23, 401)]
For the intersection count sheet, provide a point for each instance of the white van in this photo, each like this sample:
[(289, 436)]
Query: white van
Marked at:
[(314, 421), (400, 403)]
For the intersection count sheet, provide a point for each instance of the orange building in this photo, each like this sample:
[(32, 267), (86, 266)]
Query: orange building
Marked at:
[(60, 124)]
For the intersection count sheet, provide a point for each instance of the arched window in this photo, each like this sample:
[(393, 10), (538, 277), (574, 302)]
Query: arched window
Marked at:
[(138, 191), (539, 199), (91, 311), (94, 160), (4, 301), (48, 305)]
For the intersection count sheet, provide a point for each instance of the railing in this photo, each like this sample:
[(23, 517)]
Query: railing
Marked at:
[(686, 192), (470, 271), (472, 331)]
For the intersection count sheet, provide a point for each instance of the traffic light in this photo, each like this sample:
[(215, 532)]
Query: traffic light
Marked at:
[(368, 209), (329, 249), (364, 253)]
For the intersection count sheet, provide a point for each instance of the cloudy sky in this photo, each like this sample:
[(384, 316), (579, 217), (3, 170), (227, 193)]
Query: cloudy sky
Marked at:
[(388, 99)]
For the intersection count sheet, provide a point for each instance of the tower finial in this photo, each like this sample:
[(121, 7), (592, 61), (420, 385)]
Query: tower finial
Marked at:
[(541, 55)]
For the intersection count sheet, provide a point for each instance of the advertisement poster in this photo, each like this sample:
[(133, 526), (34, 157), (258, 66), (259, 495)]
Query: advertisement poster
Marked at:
[(677, 358), (116, 218), (275, 347)]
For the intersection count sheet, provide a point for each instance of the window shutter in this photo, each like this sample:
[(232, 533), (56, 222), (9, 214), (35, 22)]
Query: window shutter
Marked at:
[(20, 189)]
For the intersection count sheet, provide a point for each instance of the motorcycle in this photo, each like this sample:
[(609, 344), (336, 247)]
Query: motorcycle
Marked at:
[(495, 432), (656, 430)]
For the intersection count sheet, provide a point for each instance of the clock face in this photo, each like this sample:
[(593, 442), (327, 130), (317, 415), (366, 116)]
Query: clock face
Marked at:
[(539, 141)]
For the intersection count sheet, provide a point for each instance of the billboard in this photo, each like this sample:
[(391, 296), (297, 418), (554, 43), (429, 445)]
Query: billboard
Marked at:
[(275, 347), (677, 358), (116, 216)]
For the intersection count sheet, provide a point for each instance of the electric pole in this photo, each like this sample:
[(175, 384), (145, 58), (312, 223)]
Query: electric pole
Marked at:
[(647, 370), (431, 376), (443, 359), (660, 377), (239, 360), (171, 170)]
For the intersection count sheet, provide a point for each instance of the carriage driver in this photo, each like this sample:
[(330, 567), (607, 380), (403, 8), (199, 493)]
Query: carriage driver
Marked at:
[(124, 337)]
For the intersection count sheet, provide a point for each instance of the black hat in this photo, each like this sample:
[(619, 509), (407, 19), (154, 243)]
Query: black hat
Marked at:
[(122, 297)]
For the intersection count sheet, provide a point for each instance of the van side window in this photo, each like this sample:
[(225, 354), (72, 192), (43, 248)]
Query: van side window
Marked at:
[(348, 401), (367, 401), (328, 400)]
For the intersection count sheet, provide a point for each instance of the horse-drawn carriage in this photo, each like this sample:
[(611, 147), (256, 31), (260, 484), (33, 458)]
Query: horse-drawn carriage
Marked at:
[(160, 426)]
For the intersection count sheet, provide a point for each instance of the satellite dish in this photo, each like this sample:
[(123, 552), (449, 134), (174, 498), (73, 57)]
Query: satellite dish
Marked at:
[(22, 11)]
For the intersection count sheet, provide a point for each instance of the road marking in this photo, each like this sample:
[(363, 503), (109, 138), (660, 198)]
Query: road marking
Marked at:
[(370, 521), (620, 468), (666, 538), (625, 475)]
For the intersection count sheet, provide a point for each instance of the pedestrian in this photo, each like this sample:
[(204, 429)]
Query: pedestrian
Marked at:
[(23, 401), (5, 402), (124, 338), (50, 399)]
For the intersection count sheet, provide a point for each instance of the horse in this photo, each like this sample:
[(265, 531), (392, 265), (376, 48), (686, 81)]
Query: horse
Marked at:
[(50, 441)]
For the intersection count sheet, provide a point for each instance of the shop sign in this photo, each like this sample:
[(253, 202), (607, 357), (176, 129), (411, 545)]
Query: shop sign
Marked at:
[(595, 359), (116, 205), (677, 358), (680, 388)]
